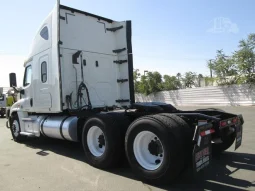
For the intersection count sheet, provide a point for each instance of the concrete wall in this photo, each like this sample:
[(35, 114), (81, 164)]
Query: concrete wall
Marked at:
[(234, 95)]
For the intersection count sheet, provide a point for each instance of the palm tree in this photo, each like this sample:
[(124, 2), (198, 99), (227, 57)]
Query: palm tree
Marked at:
[(178, 75), (200, 76), (190, 78)]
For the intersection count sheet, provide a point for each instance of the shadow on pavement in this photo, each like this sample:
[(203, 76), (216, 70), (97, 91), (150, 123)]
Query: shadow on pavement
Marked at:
[(216, 177)]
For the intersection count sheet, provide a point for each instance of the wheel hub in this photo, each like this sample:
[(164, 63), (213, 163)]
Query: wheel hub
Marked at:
[(14, 128), (148, 150), (101, 141), (155, 147), (96, 141)]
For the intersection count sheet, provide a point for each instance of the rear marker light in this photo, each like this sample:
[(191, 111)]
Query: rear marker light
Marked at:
[(204, 133), (223, 123), (235, 120)]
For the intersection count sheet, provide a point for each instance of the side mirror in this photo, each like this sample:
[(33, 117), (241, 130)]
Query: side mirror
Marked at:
[(12, 79)]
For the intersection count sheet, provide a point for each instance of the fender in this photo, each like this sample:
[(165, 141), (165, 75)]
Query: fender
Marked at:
[(18, 108)]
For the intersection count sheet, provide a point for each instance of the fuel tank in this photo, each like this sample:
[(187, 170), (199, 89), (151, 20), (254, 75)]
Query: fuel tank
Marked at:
[(60, 127)]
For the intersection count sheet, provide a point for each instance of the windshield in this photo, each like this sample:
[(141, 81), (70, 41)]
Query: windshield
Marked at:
[(28, 76)]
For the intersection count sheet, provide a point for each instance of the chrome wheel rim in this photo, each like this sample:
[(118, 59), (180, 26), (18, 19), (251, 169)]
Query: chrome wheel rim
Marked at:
[(15, 128)]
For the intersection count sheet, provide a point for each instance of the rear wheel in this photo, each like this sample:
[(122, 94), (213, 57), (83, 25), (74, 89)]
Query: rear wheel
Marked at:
[(101, 141), (153, 148), (148, 150), (184, 134), (2, 115)]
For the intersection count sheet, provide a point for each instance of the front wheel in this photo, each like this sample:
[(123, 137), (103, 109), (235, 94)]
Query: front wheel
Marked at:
[(15, 129)]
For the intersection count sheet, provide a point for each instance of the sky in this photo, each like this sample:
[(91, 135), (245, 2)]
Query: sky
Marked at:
[(168, 36)]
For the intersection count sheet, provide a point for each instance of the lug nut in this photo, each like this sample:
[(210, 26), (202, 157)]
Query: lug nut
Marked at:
[(157, 161)]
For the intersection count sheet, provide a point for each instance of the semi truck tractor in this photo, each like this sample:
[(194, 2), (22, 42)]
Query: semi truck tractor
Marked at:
[(78, 86)]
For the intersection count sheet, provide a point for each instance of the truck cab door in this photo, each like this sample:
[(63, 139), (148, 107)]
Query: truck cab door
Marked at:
[(42, 93), (27, 93)]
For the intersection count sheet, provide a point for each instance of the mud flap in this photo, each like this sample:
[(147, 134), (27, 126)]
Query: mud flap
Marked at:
[(202, 152), (239, 132)]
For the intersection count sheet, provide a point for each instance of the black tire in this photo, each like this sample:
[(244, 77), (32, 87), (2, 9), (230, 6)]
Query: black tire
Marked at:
[(113, 141), (227, 142), (14, 122), (2, 115), (184, 135), (168, 132)]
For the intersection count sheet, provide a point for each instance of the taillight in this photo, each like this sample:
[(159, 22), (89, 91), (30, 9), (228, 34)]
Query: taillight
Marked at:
[(235, 120), (229, 122), (223, 123)]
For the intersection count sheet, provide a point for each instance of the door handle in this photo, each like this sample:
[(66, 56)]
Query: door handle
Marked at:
[(31, 102)]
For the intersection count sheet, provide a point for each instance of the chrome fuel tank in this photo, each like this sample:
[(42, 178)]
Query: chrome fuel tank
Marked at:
[(60, 127)]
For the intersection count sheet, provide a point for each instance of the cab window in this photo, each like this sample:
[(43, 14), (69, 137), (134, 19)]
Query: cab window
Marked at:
[(44, 72), (28, 76), (45, 33)]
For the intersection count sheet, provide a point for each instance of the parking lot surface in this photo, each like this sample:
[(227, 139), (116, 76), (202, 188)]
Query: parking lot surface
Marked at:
[(47, 164)]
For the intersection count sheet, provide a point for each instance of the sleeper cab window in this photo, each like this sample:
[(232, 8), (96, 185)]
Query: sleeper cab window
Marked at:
[(44, 72), (45, 33)]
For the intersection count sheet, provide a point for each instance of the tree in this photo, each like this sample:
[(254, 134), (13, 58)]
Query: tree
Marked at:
[(149, 83), (245, 59), (143, 86), (154, 80), (200, 76), (136, 76), (189, 79), (222, 65), (178, 75), (170, 83)]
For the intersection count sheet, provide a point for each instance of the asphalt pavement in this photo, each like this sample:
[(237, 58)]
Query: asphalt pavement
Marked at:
[(48, 164)]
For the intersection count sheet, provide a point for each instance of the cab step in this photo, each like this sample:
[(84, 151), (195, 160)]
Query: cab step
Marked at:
[(27, 134), (28, 119)]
